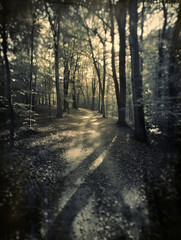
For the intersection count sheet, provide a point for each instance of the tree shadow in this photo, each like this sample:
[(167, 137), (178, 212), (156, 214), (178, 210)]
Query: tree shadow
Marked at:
[(96, 184)]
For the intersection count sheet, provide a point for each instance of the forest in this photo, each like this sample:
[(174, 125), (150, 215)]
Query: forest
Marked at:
[(90, 120)]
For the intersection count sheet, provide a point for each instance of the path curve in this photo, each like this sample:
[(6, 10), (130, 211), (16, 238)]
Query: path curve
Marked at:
[(102, 195)]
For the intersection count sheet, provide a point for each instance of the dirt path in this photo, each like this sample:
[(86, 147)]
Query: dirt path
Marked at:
[(102, 194), (83, 178)]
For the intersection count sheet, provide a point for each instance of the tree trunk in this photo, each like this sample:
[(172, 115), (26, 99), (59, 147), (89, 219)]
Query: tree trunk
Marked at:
[(93, 94), (56, 37), (59, 104), (53, 98), (141, 36), (99, 100), (113, 64), (97, 71), (104, 82), (87, 93), (34, 98), (66, 86), (31, 71), (107, 95), (140, 132), (8, 76), (85, 103), (45, 92), (174, 76), (74, 104), (74, 89), (49, 96), (161, 55), (78, 99), (121, 19)]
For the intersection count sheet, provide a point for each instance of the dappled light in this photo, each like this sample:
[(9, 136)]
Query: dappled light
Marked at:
[(90, 120), (97, 185), (133, 198)]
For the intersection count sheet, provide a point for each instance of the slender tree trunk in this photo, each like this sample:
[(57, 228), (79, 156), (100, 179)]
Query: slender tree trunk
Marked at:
[(78, 99), (49, 94), (93, 93), (140, 131), (56, 37), (97, 71), (66, 86), (121, 19), (141, 36), (49, 99), (107, 95), (95, 63), (8, 75), (59, 103), (87, 93), (161, 54), (85, 103), (45, 92), (31, 71), (174, 77), (99, 100), (116, 84), (74, 89), (53, 98), (34, 99), (74, 104), (104, 82), (104, 73)]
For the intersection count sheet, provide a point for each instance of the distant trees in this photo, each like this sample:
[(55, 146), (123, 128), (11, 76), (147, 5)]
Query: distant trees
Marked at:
[(174, 74), (54, 20), (76, 54), (4, 35), (161, 54), (101, 75)]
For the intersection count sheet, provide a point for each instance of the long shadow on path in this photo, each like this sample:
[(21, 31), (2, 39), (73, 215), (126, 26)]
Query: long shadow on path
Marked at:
[(79, 187)]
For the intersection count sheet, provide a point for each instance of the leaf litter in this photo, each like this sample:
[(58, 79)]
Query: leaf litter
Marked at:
[(51, 174)]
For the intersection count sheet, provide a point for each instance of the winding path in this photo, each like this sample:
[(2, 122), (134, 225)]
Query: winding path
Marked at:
[(102, 194)]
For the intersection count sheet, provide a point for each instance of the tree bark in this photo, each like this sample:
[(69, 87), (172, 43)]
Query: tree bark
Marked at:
[(141, 36), (49, 99), (101, 87), (121, 19), (99, 99), (140, 132), (93, 94), (87, 93), (73, 80), (104, 82), (116, 84), (66, 85), (161, 54), (95, 63), (31, 70), (107, 96), (85, 103), (174, 76), (56, 37), (56, 48)]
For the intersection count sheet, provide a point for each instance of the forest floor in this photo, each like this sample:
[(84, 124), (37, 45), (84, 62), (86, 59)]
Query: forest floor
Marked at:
[(84, 178)]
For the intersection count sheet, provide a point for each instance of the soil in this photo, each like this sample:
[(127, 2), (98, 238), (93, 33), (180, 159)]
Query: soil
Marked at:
[(82, 177)]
